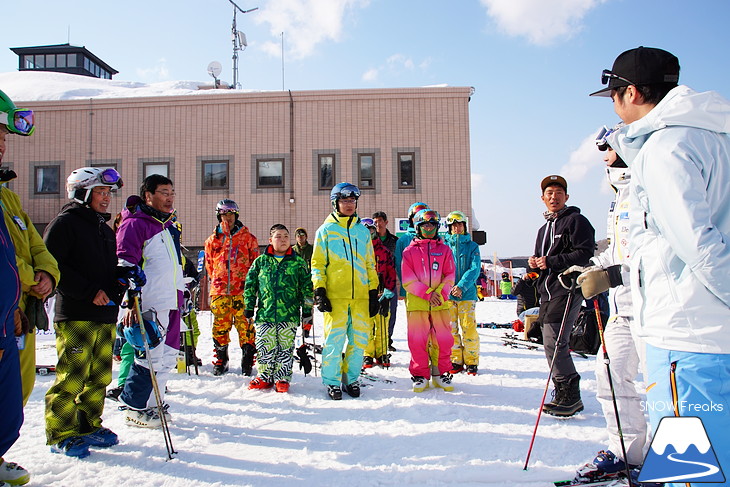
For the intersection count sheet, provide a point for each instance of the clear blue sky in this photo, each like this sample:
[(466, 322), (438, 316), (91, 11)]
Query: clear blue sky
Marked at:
[(531, 62)]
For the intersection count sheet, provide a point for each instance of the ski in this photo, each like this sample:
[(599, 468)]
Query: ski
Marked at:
[(513, 340), (572, 483), (375, 378), (494, 325), (45, 369)]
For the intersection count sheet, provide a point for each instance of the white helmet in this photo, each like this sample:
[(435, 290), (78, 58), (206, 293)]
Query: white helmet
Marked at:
[(81, 181)]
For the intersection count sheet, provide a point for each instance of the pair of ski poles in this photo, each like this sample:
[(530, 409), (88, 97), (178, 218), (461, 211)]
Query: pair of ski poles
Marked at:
[(606, 360), (153, 377)]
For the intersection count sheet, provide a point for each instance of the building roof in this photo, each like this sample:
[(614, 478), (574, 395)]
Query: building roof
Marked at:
[(61, 49)]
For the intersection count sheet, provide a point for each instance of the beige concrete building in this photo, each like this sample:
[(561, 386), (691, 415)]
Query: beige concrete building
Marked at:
[(275, 153)]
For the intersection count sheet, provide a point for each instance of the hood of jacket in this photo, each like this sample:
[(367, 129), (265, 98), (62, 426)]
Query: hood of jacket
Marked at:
[(681, 107), (343, 221)]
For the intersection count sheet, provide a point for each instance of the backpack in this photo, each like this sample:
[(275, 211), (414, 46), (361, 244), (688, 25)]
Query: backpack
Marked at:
[(585, 338)]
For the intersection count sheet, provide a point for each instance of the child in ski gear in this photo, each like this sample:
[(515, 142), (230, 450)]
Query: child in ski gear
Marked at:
[(428, 272), (148, 239), (229, 253), (505, 286), (377, 347), (86, 311), (390, 241), (677, 145), (566, 239), (12, 120), (280, 282), (463, 296), (304, 250), (345, 290)]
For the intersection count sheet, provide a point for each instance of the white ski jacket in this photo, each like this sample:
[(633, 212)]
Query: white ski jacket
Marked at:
[(617, 252), (679, 155)]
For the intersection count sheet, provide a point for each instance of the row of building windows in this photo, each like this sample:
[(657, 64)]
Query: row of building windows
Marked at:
[(51, 61), (269, 172)]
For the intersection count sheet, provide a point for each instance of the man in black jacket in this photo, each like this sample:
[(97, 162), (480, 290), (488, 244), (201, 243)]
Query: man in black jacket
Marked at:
[(85, 313), (566, 239)]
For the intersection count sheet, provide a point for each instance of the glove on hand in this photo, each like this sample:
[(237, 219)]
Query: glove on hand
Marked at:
[(384, 307), (248, 313), (595, 280), (134, 274), (577, 268), (373, 302), (321, 301)]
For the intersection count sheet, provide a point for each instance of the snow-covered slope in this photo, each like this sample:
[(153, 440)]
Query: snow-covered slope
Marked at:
[(227, 435)]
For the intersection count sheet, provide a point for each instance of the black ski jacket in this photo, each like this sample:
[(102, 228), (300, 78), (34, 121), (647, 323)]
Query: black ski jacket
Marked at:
[(85, 248), (568, 240)]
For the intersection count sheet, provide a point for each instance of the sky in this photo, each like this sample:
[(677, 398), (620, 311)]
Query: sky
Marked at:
[(532, 64)]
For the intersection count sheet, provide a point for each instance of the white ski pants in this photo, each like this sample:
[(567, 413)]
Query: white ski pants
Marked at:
[(624, 354)]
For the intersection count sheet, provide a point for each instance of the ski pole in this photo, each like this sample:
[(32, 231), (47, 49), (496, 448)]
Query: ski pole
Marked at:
[(607, 361), (153, 377), (571, 291), (195, 354)]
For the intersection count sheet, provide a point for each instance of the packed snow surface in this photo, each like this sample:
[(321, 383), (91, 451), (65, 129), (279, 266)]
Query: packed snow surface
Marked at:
[(228, 435)]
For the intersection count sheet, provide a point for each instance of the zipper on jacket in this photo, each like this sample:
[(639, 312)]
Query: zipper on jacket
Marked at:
[(646, 225), (673, 386)]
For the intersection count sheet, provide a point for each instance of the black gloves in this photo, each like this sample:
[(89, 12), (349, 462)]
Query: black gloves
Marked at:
[(135, 274), (248, 313), (321, 301), (373, 303), (384, 307)]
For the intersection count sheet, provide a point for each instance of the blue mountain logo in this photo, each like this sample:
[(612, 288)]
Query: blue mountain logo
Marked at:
[(681, 452)]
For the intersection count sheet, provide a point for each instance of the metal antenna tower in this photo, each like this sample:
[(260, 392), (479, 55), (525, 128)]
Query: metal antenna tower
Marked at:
[(239, 41)]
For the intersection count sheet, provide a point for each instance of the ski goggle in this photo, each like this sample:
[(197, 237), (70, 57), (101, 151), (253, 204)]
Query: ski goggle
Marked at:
[(110, 176), (368, 222), (416, 207), (607, 75), (429, 216), (349, 192), (455, 217), (602, 137), (18, 121)]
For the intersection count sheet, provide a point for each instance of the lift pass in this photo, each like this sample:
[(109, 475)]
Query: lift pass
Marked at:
[(435, 266)]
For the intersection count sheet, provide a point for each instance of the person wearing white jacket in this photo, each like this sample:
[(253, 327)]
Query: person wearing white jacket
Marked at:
[(625, 350), (677, 144)]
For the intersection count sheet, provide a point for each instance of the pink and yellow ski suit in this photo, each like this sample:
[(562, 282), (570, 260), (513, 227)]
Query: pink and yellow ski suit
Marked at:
[(428, 267)]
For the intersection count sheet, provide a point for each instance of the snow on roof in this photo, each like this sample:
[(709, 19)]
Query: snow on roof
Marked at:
[(28, 86)]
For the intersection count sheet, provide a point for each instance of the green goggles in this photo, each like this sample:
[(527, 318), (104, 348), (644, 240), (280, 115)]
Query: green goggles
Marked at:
[(18, 121)]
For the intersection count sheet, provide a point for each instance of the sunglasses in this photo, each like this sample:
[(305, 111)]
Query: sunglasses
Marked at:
[(607, 75), (18, 121)]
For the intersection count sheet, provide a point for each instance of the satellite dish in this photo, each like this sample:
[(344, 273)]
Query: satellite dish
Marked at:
[(214, 69)]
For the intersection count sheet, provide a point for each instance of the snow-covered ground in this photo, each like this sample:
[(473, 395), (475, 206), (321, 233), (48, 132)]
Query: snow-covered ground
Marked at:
[(227, 435)]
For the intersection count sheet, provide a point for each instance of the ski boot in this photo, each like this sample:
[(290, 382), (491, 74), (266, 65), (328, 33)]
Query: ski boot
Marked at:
[(13, 474), (444, 382), (259, 383), (248, 352), (471, 369), (605, 466), (367, 362), (334, 392), (353, 390), (384, 361), (221, 362), (114, 392), (456, 368), (420, 384)]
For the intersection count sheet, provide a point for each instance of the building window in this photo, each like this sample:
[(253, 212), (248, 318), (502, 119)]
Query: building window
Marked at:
[(47, 179), (406, 170), (326, 171), (366, 170), (162, 168), (215, 175), (61, 60), (28, 61), (270, 173), (71, 60), (50, 60), (40, 61)]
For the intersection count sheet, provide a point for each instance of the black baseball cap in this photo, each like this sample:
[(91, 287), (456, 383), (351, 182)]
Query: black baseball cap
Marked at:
[(640, 66)]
